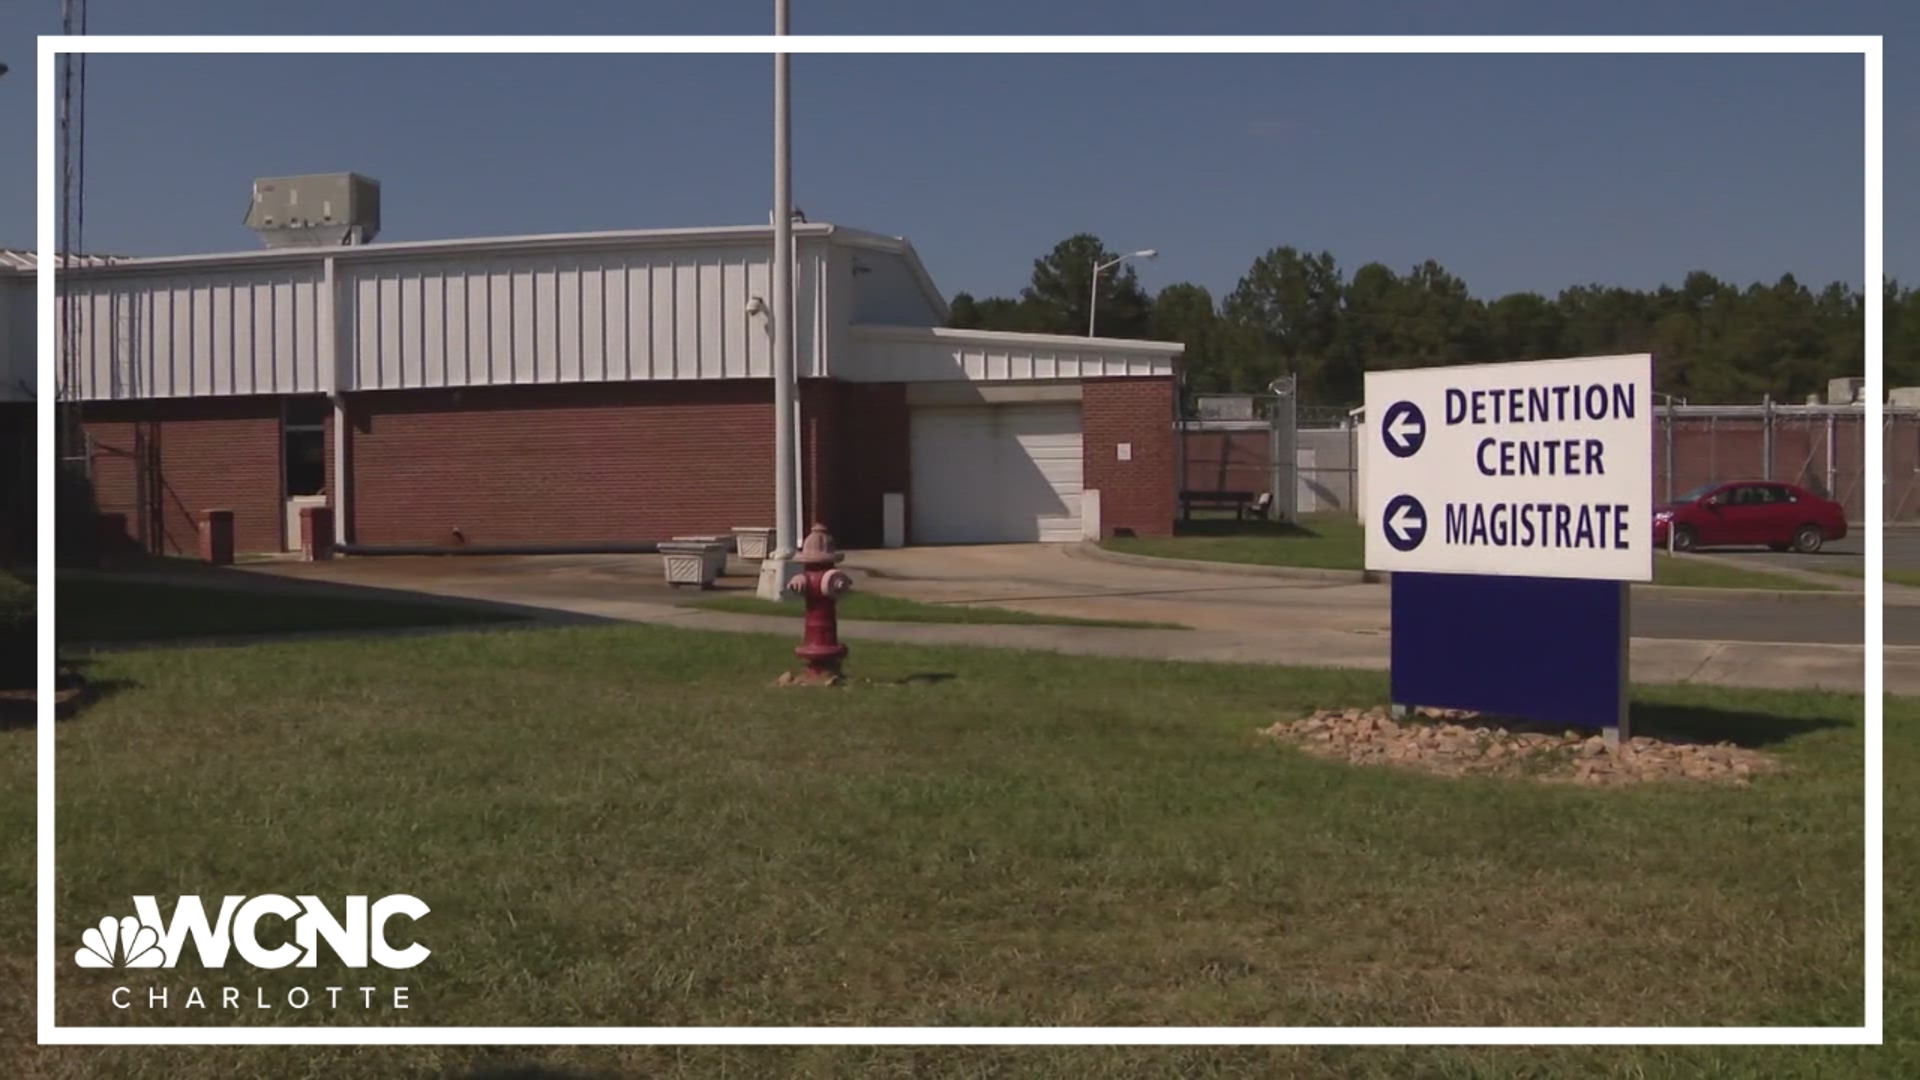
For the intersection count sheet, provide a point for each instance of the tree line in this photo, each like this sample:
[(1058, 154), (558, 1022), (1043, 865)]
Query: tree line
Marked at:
[(1299, 313)]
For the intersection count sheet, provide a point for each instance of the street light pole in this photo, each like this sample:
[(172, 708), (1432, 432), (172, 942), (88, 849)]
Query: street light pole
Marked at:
[(1093, 300)]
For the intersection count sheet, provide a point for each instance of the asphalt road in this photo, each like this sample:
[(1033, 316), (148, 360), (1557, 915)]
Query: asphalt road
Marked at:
[(1736, 618)]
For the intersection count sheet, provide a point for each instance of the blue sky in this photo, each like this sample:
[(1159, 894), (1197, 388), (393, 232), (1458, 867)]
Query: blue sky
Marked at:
[(1514, 172)]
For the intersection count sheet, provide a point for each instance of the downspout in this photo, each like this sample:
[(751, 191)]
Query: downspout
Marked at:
[(330, 326), (799, 440)]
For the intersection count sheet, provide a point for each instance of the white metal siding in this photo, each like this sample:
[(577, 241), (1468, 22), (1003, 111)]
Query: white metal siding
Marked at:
[(179, 335), (18, 343), (652, 312), (996, 474), (889, 354), (614, 316)]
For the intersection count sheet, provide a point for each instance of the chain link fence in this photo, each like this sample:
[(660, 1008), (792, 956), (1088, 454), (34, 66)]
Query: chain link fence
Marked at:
[(1315, 469)]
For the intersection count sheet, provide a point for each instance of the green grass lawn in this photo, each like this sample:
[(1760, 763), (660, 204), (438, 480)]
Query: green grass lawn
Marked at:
[(18, 633), (873, 606), (1325, 542), (1678, 570), (99, 610), (1892, 575), (632, 826), (1337, 542)]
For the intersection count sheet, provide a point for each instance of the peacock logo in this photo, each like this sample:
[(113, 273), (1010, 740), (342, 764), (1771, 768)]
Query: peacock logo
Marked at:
[(124, 943)]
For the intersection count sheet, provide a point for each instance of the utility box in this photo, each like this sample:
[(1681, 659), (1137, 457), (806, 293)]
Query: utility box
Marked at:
[(326, 210)]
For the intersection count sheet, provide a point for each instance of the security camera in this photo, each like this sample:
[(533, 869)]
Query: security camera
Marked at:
[(756, 306)]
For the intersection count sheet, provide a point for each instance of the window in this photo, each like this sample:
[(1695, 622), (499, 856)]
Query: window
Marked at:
[(304, 445)]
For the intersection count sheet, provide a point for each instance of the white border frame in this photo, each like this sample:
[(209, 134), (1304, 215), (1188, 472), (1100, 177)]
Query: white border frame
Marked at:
[(1869, 48)]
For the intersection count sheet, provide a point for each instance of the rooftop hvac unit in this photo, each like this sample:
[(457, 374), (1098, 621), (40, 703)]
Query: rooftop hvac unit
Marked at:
[(328, 210), (1845, 391)]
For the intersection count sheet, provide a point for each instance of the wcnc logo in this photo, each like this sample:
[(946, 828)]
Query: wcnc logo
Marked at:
[(145, 940)]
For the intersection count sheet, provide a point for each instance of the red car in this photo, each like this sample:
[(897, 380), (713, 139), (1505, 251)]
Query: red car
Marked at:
[(1750, 513)]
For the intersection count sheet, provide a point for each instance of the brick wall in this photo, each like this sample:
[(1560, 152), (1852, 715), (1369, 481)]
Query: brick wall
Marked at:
[(18, 486), (873, 458), (161, 464), (1136, 496), (616, 462), (578, 464)]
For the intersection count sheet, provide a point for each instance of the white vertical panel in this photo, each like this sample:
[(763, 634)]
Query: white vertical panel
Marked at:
[(567, 330), (433, 331), (247, 345), (593, 322), (760, 329), (803, 279), (687, 361), (364, 332), (525, 323), (218, 344), (713, 335), (475, 353), (281, 319), (95, 319), (628, 339), (499, 367), (453, 325), (108, 376), (404, 320), (389, 315), (301, 369), (636, 321), (660, 319), (180, 343), (140, 359), (543, 336), (735, 323)]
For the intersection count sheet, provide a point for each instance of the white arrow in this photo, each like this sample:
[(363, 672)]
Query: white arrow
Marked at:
[(1401, 426), (1401, 519)]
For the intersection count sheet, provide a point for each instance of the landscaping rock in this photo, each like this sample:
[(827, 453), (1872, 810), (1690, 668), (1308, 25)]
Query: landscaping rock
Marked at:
[(1454, 743)]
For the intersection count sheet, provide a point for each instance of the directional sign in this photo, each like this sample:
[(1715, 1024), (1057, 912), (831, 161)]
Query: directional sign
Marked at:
[(1404, 428), (1406, 522), (1531, 469)]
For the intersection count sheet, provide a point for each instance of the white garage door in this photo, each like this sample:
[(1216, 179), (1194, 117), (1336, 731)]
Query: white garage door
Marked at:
[(996, 474)]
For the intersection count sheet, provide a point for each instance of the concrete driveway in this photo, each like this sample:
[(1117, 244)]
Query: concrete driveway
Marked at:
[(1773, 640), (1064, 580)]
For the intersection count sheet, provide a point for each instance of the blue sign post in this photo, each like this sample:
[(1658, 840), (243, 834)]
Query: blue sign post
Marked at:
[(1512, 507)]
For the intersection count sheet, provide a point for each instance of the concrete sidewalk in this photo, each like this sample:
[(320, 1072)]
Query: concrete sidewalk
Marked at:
[(1715, 663), (1237, 620)]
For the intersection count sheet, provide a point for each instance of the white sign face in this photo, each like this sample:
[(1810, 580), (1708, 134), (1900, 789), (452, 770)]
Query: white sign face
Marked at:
[(1540, 468)]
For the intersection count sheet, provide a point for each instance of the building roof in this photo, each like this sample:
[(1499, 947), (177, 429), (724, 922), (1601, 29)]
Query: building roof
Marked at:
[(22, 261), (741, 234)]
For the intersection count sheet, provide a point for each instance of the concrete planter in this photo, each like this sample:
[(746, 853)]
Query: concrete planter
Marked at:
[(694, 560), (752, 542)]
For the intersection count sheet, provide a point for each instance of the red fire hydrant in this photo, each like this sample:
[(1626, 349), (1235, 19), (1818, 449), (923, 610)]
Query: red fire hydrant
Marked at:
[(822, 584)]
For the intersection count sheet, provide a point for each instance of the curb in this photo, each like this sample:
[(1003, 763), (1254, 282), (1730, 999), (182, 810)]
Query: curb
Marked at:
[(1703, 592), (1090, 550)]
